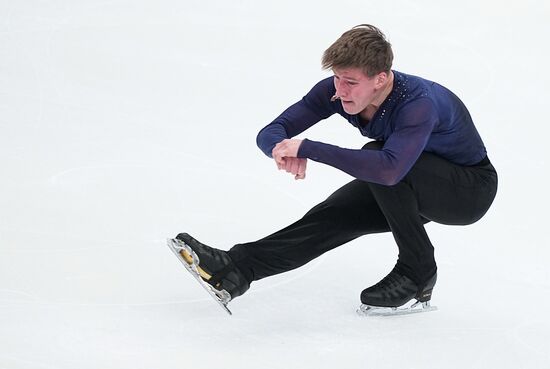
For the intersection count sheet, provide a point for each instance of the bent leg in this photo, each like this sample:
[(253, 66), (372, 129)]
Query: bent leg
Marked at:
[(400, 207), (438, 190), (452, 194)]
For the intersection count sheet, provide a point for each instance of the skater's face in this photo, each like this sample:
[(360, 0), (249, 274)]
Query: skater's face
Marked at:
[(356, 90)]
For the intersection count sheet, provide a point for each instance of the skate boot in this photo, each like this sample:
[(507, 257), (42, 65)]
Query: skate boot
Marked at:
[(389, 296), (213, 268)]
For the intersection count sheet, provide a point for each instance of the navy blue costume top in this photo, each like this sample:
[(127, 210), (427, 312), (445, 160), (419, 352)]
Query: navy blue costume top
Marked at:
[(418, 115)]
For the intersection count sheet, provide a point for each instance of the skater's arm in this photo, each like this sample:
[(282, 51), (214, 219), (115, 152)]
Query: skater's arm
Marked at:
[(313, 107), (413, 126)]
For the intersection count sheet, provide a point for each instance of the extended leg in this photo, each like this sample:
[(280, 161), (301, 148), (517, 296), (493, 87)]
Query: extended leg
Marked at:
[(347, 214)]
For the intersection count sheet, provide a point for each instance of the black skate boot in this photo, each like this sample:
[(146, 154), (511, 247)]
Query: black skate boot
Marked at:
[(395, 290), (213, 268)]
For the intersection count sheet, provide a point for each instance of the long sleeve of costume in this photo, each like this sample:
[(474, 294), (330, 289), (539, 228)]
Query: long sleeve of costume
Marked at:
[(413, 126), (313, 107), (418, 115)]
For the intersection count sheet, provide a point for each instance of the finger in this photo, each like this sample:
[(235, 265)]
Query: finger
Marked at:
[(288, 165), (295, 166), (276, 152), (280, 152), (302, 166), (278, 159), (282, 163)]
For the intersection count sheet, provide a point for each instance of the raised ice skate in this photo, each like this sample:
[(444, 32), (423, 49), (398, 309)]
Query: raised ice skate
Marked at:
[(211, 267)]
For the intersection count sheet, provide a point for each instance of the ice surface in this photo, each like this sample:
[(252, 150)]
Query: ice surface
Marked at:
[(123, 123)]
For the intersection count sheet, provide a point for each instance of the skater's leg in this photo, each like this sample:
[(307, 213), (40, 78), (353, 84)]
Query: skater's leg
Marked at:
[(347, 214), (400, 208), (434, 189), (452, 194), (437, 190)]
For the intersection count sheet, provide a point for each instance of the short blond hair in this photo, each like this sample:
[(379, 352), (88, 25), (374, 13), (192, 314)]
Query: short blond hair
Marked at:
[(364, 46)]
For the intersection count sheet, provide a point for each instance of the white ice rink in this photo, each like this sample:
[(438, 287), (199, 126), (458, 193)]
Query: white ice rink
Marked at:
[(123, 123)]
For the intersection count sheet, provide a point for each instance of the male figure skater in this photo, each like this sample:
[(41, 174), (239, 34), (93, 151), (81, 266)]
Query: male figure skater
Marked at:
[(426, 162)]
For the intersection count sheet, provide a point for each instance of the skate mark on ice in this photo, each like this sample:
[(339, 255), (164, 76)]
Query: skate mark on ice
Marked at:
[(17, 296)]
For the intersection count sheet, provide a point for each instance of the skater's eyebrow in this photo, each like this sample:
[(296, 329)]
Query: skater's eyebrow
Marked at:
[(346, 78)]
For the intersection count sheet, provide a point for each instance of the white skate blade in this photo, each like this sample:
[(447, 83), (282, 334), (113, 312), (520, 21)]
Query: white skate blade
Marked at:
[(222, 297), (417, 307)]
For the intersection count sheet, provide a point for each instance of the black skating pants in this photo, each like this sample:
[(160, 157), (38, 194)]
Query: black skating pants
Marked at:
[(433, 190)]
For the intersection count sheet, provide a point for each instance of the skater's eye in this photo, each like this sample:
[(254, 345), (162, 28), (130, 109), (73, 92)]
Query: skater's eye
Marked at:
[(346, 81)]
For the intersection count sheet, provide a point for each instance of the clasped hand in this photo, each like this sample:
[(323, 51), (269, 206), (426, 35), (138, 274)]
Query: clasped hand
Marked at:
[(285, 154)]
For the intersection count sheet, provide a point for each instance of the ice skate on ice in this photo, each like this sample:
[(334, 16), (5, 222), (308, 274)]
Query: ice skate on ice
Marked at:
[(212, 268), (392, 295)]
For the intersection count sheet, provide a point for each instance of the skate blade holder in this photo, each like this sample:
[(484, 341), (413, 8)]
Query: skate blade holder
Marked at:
[(417, 307)]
